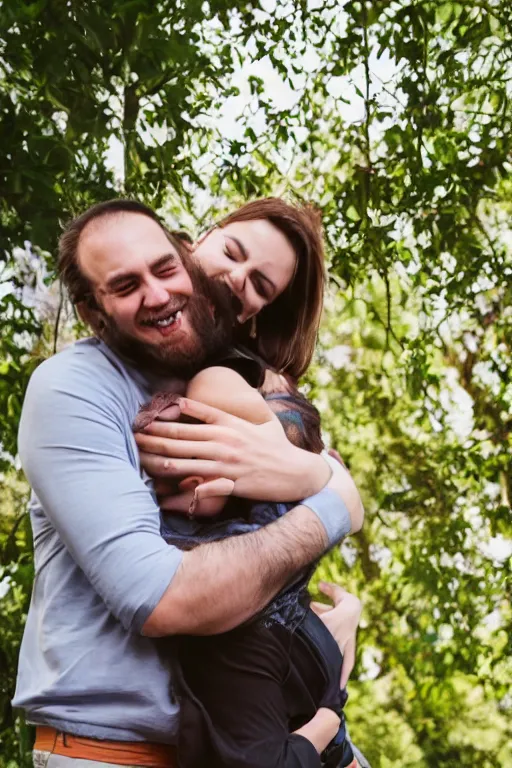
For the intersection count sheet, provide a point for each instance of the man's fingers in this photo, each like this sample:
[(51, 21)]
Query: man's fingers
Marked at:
[(335, 592), (158, 466), (220, 486), (173, 430), (207, 413), (349, 658), (180, 449)]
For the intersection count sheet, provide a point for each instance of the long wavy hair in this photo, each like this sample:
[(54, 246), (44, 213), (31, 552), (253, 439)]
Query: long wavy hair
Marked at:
[(287, 329)]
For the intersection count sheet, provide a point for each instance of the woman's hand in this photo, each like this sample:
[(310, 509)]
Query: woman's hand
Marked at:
[(342, 621), (258, 458)]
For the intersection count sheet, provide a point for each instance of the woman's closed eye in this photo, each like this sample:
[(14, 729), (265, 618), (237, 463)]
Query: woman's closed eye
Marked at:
[(262, 286), (229, 252)]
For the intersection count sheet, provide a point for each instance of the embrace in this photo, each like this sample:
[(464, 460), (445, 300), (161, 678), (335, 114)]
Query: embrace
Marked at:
[(181, 497)]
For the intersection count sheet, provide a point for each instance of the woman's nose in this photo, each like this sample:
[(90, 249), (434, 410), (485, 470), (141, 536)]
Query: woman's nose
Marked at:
[(237, 278), (239, 282)]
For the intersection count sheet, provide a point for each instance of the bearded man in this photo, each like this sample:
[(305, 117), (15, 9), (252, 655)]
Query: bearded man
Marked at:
[(92, 677)]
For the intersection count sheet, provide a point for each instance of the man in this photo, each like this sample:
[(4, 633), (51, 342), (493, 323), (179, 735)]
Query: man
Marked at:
[(90, 676)]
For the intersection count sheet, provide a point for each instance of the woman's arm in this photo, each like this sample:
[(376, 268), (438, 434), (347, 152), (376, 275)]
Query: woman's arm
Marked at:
[(321, 729), (342, 621), (225, 389)]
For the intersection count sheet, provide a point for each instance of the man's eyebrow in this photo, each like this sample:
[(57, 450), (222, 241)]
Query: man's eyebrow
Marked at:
[(168, 258), (117, 280), (245, 255)]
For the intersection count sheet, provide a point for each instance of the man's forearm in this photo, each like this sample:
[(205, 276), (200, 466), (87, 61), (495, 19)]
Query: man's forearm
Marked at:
[(220, 585)]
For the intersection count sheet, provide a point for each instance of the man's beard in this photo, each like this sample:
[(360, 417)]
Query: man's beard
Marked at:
[(211, 315)]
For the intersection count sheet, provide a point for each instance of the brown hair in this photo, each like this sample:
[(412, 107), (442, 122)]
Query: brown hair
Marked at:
[(77, 284), (288, 327)]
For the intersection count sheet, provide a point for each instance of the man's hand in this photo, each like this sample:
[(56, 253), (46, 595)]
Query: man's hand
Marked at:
[(342, 622), (258, 458)]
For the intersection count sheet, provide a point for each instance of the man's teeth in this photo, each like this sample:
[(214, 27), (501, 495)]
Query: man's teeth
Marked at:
[(166, 321)]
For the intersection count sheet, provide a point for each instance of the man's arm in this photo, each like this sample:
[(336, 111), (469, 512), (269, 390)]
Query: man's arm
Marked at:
[(220, 585), (75, 452)]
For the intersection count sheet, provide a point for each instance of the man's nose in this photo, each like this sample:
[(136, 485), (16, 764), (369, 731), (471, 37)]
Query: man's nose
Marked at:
[(155, 294)]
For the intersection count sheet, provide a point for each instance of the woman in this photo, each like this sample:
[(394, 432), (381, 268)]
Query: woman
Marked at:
[(270, 254)]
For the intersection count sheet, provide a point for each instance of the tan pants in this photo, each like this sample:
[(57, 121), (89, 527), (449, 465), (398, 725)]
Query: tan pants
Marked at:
[(48, 760)]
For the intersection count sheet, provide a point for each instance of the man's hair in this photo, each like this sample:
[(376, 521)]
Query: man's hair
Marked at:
[(70, 272), (288, 327)]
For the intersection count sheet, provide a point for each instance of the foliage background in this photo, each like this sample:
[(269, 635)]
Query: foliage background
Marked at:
[(395, 118)]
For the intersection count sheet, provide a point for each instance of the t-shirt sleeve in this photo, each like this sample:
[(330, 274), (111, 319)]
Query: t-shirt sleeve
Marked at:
[(75, 444)]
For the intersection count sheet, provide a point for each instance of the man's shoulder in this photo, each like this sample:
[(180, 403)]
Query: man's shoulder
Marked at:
[(88, 366), (87, 356)]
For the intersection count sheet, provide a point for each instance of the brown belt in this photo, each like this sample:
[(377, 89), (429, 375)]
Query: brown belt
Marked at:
[(116, 752)]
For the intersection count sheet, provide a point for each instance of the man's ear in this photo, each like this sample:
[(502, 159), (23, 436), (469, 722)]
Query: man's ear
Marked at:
[(90, 314)]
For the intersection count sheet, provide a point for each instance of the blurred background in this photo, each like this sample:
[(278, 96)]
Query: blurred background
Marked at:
[(395, 119)]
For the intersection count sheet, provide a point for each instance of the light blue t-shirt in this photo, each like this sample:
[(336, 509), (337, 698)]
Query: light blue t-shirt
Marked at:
[(101, 565)]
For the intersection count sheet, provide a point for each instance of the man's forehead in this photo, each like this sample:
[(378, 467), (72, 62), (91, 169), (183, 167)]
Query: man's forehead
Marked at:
[(123, 241), (117, 224)]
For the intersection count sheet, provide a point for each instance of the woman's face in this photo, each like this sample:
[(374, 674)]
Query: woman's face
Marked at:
[(254, 258)]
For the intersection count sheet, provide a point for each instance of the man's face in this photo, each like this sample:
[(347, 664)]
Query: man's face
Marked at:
[(146, 297)]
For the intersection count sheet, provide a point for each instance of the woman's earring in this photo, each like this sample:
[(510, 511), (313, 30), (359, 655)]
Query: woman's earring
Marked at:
[(254, 331)]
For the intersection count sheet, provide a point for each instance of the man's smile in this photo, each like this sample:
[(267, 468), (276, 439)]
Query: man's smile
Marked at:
[(165, 321)]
